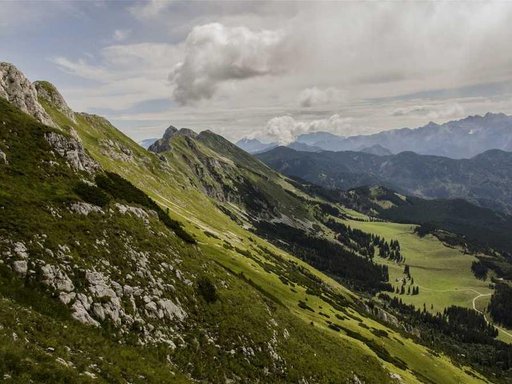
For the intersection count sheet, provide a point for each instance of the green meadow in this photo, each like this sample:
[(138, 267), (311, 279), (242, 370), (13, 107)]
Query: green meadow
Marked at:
[(442, 273)]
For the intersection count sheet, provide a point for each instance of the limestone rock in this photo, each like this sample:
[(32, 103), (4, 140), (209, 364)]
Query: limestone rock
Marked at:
[(116, 150), (84, 208), (136, 211), (17, 89), (20, 250), (72, 150), (21, 267), (54, 277), (98, 284), (171, 310), (80, 314), (66, 297)]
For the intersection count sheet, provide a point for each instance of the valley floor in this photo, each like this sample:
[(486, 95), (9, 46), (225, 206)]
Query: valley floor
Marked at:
[(443, 274)]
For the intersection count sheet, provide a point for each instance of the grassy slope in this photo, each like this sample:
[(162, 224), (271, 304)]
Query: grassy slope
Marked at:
[(242, 311), (442, 273), (172, 189)]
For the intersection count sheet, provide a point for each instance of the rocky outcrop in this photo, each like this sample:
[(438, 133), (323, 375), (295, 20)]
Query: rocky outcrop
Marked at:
[(19, 91), (164, 144), (72, 150), (84, 208), (48, 92), (80, 308), (116, 150), (57, 279), (136, 211)]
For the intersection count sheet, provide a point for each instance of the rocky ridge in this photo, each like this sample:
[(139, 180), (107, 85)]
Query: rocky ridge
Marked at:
[(18, 90), (48, 92)]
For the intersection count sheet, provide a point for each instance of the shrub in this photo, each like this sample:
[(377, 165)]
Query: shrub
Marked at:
[(207, 290), (91, 194), (122, 189)]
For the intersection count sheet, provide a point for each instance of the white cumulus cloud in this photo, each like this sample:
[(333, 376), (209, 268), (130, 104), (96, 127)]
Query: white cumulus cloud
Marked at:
[(215, 53), (285, 129)]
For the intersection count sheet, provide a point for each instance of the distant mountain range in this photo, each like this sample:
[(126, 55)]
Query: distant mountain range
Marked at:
[(146, 143), (254, 145), (485, 179), (455, 139)]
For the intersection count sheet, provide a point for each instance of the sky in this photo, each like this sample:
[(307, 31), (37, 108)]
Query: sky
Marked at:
[(263, 69)]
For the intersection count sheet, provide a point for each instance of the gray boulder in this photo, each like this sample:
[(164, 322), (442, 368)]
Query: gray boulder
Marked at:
[(20, 266), (54, 277)]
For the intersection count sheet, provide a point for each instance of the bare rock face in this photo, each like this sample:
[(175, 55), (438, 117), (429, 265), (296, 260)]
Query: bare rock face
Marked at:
[(164, 145), (72, 150), (19, 91), (48, 92), (80, 308)]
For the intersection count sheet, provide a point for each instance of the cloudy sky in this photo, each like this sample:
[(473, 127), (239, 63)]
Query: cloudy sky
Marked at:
[(264, 69)]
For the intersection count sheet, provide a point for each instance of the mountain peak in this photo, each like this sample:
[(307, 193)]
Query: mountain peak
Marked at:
[(48, 92), (491, 115), (254, 145), (163, 144), (19, 91)]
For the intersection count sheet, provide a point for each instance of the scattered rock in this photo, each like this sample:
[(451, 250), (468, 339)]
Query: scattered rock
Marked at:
[(136, 211), (72, 150), (90, 374), (116, 150), (84, 208), (20, 250), (65, 363)]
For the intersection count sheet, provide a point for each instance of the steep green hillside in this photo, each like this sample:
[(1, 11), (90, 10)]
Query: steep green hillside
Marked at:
[(171, 180), (182, 291), (122, 272)]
